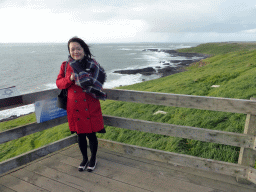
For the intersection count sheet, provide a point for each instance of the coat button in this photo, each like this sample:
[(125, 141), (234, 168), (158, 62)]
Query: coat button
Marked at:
[(86, 109), (77, 111), (88, 118), (78, 119), (76, 101), (74, 91), (84, 99)]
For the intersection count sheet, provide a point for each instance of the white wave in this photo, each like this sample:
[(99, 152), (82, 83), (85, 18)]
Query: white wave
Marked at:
[(51, 86), (26, 109), (181, 46), (125, 49), (123, 80)]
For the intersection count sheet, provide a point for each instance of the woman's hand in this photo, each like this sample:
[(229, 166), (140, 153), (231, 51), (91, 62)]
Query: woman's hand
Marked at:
[(72, 77)]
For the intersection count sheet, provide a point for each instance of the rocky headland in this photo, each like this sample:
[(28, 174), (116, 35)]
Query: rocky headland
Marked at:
[(167, 67)]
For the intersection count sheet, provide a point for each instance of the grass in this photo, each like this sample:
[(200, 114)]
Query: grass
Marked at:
[(18, 122), (29, 142), (232, 66)]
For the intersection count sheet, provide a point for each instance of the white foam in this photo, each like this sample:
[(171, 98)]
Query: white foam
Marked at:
[(156, 59), (125, 49), (17, 111), (51, 86), (123, 80)]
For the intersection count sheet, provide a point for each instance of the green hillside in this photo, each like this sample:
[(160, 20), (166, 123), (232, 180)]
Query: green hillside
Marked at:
[(232, 66)]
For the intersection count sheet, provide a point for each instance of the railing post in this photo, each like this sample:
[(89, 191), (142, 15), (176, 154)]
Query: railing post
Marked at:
[(247, 156)]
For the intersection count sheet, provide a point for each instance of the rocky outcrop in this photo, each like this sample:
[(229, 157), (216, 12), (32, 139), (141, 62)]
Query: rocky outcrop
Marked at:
[(167, 69), (174, 53), (144, 71)]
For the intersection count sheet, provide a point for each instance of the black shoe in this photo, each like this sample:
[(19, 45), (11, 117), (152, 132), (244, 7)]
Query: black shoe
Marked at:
[(91, 165), (83, 165)]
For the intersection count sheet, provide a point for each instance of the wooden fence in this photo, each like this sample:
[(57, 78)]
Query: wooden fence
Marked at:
[(247, 142)]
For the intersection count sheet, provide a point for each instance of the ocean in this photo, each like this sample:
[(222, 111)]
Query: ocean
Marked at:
[(34, 67)]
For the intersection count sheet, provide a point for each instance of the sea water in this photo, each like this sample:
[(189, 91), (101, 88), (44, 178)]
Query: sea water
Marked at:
[(34, 67)]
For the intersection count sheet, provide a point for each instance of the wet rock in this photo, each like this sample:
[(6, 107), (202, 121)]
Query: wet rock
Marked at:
[(144, 71), (175, 61), (9, 118), (186, 62)]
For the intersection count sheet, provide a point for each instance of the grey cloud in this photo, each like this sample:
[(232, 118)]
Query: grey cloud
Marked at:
[(227, 18), (227, 26)]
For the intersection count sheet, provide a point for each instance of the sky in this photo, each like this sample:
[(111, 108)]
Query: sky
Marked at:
[(118, 21)]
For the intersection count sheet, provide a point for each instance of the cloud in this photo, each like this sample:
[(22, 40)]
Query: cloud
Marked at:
[(26, 25), (251, 31), (111, 30), (33, 25), (126, 20), (200, 16)]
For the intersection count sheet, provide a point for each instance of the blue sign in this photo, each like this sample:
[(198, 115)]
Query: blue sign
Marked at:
[(47, 110)]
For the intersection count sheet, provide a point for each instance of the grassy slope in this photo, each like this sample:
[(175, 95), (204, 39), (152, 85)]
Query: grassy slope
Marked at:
[(232, 66)]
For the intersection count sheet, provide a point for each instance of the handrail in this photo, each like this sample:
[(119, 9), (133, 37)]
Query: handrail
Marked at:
[(246, 141), (167, 99), (200, 134)]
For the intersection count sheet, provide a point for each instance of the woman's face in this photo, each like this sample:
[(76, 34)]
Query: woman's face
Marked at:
[(76, 51)]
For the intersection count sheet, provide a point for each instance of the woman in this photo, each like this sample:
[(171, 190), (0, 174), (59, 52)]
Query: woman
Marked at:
[(83, 80)]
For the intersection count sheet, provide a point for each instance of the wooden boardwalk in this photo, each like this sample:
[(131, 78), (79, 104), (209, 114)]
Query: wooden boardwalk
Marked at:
[(114, 172)]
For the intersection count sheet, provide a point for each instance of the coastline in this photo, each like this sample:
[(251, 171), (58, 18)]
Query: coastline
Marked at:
[(168, 67)]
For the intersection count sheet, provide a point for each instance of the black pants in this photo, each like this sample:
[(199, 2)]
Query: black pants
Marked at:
[(93, 143)]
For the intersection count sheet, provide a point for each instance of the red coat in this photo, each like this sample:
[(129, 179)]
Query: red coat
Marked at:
[(83, 111)]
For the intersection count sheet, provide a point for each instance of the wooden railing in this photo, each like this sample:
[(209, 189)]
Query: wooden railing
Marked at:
[(247, 141)]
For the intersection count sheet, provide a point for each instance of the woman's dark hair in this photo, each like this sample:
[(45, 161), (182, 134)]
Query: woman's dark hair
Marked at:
[(87, 51)]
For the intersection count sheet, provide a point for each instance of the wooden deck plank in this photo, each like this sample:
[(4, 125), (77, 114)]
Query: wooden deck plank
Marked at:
[(5, 189), (42, 181), (114, 185), (130, 176), (199, 177), (142, 177), (18, 185), (115, 172), (180, 173), (67, 179)]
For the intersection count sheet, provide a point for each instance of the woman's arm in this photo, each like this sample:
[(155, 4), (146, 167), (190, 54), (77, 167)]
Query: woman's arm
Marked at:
[(62, 81)]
